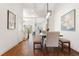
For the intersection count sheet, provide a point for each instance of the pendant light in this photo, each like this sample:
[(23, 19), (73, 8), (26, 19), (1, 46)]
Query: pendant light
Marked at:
[(48, 12), (47, 16)]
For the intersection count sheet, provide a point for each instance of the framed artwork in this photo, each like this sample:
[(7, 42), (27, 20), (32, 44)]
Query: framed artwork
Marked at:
[(11, 20), (68, 21)]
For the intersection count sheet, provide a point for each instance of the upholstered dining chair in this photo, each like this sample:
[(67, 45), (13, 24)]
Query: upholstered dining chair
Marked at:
[(52, 39)]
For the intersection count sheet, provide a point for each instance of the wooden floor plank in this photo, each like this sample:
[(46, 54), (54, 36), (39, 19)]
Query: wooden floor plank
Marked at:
[(22, 49)]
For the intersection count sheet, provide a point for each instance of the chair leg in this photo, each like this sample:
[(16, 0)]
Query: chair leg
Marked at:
[(41, 47), (33, 46), (69, 49)]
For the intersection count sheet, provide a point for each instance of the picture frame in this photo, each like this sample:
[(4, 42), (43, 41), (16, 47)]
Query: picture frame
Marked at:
[(68, 21), (11, 20)]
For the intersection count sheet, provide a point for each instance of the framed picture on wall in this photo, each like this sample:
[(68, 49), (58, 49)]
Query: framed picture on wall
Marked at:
[(68, 21), (11, 20)]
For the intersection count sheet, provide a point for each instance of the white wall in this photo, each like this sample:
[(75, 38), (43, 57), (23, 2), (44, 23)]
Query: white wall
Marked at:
[(9, 38), (73, 36)]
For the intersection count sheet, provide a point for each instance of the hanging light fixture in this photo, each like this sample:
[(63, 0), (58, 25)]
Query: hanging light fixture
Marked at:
[(48, 12)]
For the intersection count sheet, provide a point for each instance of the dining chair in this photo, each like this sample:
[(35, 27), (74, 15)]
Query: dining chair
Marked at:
[(52, 39)]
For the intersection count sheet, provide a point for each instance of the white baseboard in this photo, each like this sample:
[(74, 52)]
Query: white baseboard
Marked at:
[(11, 47)]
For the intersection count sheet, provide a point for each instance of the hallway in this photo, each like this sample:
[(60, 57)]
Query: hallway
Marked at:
[(25, 48)]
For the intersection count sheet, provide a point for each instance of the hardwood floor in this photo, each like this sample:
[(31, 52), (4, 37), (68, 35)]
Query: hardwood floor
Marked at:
[(25, 48)]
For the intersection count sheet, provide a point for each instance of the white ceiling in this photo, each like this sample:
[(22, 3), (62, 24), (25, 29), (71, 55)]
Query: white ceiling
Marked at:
[(35, 12), (36, 9)]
